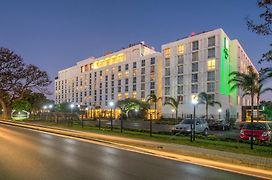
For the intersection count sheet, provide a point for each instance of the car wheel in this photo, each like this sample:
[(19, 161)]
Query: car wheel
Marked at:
[(205, 132)]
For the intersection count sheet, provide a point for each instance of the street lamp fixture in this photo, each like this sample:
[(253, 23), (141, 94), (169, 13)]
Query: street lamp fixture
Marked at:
[(219, 113), (194, 102), (173, 110), (72, 107), (50, 106), (111, 103)]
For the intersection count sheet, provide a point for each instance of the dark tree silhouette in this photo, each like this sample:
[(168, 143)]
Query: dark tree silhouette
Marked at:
[(17, 78)]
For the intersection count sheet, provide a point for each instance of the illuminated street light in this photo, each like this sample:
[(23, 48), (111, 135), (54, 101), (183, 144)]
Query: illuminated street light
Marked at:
[(50, 106), (111, 103), (44, 107), (173, 110), (219, 113), (194, 102), (72, 107)]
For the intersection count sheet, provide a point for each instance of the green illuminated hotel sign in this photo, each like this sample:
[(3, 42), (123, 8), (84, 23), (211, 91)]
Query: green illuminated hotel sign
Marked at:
[(225, 69)]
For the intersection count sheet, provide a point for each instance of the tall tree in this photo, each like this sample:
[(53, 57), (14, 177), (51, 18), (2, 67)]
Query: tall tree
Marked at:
[(16, 78), (263, 27), (153, 99), (248, 83), (174, 103), (207, 99)]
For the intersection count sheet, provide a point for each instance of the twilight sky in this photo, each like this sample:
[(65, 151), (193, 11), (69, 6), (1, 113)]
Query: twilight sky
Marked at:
[(55, 34)]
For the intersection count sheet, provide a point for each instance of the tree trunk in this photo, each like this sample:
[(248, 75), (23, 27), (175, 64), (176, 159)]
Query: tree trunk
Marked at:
[(252, 109), (176, 115), (5, 111), (258, 107), (207, 111)]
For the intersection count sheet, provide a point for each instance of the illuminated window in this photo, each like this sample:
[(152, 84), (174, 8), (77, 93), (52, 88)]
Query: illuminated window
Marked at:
[(211, 64), (119, 75), (134, 94), (167, 52), (119, 96), (180, 49), (126, 73), (126, 95)]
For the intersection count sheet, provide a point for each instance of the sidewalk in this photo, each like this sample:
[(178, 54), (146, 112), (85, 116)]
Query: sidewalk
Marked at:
[(246, 164)]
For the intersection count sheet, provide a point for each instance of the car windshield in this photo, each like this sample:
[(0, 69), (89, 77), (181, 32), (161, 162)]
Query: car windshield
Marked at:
[(256, 126), (187, 121)]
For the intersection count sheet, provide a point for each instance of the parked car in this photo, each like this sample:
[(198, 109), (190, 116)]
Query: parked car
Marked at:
[(218, 124), (184, 127), (261, 132)]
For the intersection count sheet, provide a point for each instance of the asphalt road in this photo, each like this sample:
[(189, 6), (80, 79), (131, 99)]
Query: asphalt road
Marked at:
[(27, 155)]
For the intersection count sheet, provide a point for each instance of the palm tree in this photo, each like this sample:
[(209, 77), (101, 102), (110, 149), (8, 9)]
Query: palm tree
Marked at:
[(174, 103), (153, 99), (248, 83), (207, 99)]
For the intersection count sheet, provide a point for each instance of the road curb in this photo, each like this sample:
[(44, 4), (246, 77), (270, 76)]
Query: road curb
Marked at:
[(259, 169)]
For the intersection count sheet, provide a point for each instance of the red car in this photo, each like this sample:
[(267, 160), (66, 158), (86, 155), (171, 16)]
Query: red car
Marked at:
[(261, 132)]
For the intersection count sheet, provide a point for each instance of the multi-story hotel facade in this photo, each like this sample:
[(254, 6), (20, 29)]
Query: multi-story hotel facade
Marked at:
[(186, 67), (133, 72)]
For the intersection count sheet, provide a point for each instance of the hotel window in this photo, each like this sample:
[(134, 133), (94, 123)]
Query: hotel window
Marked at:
[(134, 72), (112, 96), (167, 71), (194, 88), (119, 82), (195, 46), (142, 78), (180, 79), (126, 95), (95, 74), (194, 78), (100, 91), (211, 76), (142, 94), (167, 91), (112, 77), (152, 69), (194, 67), (211, 41), (167, 62), (180, 49), (119, 75), (212, 96), (106, 91), (106, 78), (152, 61), (134, 87), (180, 69), (143, 62), (152, 85), (134, 80), (167, 52), (180, 99), (210, 87), (101, 73), (112, 90), (119, 96), (211, 53), (167, 81), (100, 98), (112, 70), (126, 67), (100, 85), (119, 89), (143, 86), (180, 90), (195, 56), (119, 68), (180, 59), (126, 81), (152, 77), (134, 64), (126, 88), (143, 71), (152, 92), (211, 64)]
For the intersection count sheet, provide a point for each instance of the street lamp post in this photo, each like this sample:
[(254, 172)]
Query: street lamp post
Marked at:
[(111, 106), (194, 102), (219, 113)]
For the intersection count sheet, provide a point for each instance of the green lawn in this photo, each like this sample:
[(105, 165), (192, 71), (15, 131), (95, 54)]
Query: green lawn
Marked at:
[(209, 142)]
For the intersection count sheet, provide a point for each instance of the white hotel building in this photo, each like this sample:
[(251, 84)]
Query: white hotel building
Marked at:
[(197, 63)]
